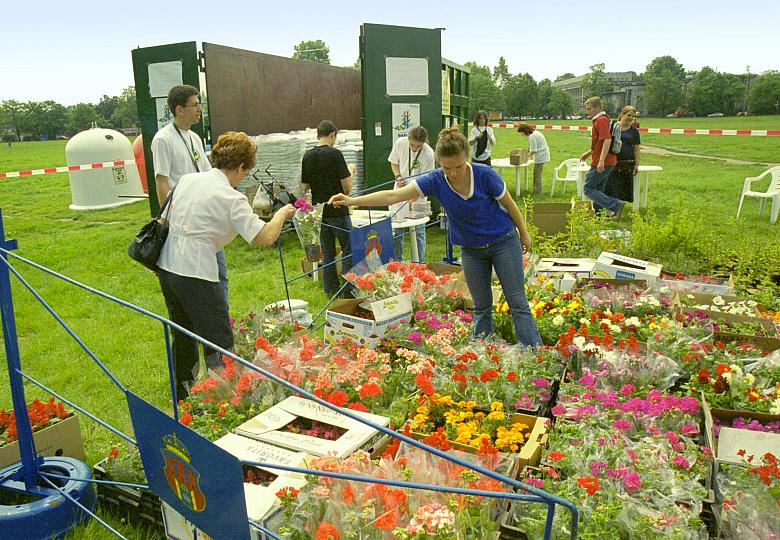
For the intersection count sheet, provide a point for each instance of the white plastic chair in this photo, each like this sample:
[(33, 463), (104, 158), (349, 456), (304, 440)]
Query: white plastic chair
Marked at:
[(570, 175), (773, 192)]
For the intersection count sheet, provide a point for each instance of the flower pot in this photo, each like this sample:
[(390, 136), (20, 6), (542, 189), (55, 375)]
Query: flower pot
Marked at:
[(313, 252)]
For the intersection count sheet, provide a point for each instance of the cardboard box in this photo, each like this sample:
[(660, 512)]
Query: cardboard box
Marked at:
[(60, 439), (518, 156), (767, 344), (731, 440), (612, 265), (596, 283), (556, 268), (269, 427), (552, 217), (341, 321), (261, 501)]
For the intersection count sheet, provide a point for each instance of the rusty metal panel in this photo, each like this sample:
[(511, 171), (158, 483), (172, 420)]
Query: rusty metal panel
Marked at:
[(261, 93)]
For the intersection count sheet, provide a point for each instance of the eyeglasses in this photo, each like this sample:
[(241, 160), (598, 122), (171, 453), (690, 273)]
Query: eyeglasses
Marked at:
[(195, 105)]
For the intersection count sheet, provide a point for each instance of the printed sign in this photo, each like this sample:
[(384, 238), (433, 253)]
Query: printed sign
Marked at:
[(120, 175), (405, 115), (196, 478), (163, 76), (372, 246), (406, 76)]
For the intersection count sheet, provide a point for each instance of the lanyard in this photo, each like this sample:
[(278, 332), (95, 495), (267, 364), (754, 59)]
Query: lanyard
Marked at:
[(411, 163), (194, 155)]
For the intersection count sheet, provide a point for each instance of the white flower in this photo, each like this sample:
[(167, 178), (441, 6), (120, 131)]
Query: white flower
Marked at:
[(736, 369), (689, 296), (775, 408), (579, 342), (558, 320), (583, 320), (608, 322), (633, 321), (750, 379), (615, 329), (718, 301), (590, 347), (727, 376), (752, 303)]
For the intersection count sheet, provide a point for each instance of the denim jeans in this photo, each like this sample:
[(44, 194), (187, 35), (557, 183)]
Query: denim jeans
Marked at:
[(595, 184), (222, 266), (505, 255), (339, 230), (398, 244)]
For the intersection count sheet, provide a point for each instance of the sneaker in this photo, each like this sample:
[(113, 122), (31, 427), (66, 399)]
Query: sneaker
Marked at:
[(616, 215)]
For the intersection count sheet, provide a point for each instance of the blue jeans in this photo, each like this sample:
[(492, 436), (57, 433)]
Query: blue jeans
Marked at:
[(595, 184), (222, 266), (339, 230), (505, 255), (398, 244)]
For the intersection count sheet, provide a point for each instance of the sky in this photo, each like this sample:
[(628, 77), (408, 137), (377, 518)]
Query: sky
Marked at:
[(80, 50)]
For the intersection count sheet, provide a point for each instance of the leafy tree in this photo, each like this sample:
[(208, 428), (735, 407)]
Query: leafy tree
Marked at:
[(596, 83), (733, 93), (664, 78), (54, 119), (81, 116), (126, 112), (314, 50), (564, 77), (560, 103), (483, 92), (15, 117), (521, 95), (711, 91), (501, 73), (544, 91), (765, 94), (106, 107)]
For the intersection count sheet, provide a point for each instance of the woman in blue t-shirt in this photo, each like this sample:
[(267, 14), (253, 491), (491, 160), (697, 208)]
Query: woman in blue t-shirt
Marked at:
[(621, 181), (483, 219)]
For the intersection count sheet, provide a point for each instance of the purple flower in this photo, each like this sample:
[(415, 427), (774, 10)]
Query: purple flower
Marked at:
[(558, 410), (596, 467), (415, 338), (602, 441), (536, 482), (632, 482), (689, 429), (303, 205), (622, 425), (540, 382), (421, 315)]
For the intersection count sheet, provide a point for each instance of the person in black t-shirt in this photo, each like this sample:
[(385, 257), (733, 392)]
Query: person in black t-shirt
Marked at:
[(326, 173)]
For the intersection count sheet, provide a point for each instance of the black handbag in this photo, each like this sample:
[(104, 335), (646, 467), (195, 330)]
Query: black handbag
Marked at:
[(148, 243)]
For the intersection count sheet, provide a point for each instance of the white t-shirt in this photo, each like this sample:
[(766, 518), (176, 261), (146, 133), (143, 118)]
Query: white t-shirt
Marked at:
[(537, 143), (410, 162), (173, 154), (475, 132), (206, 213)]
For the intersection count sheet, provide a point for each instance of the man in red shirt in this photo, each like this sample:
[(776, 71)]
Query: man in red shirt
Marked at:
[(603, 161)]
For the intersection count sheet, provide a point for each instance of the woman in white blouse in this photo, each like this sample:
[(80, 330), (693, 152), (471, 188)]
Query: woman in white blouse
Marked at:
[(206, 213)]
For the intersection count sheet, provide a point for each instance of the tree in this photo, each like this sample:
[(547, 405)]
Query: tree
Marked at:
[(81, 116), (106, 107), (544, 91), (765, 94), (54, 119), (705, 92), (664, 78), (126, 112), (596, 83), (501, 73), (560, 103), (15, 117), (564, 77), (315, 51), (483, 92), (521, 95)]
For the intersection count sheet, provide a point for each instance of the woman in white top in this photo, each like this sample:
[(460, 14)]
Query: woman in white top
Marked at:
[(481, 139), (206, 213), (539, 151)]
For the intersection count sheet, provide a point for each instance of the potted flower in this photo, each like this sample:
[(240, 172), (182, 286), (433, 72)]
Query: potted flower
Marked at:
[(307, 220)]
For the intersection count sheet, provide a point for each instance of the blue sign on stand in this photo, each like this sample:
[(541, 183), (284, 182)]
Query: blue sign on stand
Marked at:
[(201, 481), (372, 246)]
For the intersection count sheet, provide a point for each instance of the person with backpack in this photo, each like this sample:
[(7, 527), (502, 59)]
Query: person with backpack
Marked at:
[(621, 183), (603, 160), (481, 139)]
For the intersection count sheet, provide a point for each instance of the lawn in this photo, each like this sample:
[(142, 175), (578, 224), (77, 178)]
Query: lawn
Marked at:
[(91, 248)]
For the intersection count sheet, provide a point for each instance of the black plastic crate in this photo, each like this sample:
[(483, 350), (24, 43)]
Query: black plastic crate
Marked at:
[(139, 506)]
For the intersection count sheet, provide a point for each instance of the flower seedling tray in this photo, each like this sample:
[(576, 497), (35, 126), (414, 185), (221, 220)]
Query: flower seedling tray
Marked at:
[(60, 439), (767, 344), (138, 506)]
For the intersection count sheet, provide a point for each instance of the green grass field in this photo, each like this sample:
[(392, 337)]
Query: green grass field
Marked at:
[(91, 247)]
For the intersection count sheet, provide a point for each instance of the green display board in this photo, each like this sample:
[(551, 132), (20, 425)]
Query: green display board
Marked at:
[(156, 70), (402, 86)]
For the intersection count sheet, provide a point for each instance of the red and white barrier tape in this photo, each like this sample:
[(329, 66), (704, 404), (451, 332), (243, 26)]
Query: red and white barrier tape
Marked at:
[(69, 168), (668, 131)]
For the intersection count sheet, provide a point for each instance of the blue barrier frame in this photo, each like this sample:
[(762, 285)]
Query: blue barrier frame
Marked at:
[(29, 471)]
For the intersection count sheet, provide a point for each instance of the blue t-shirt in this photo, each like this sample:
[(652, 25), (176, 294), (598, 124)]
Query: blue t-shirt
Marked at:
[(477, 219), (629, 138)]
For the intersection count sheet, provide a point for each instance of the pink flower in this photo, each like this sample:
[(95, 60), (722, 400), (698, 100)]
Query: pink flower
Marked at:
[(587, 380), (627, 390), (558, 410), (680, 461), (672, 437), (632, 482), (622, 425), (536, 482)]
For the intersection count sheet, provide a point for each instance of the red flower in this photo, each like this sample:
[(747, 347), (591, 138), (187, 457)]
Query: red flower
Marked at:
[(459, 378), (438, 440), (327, 531), (590, 483), (488, 375), (511, 376), (556, 456), (387, 521), (720, 369), (348, 494), (338, 397), (369, 390), (114, 452), (357, 406), (185, 419), (425, 384), (704, 376)]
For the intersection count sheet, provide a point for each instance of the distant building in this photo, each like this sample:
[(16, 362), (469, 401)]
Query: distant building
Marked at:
[(628, 89)]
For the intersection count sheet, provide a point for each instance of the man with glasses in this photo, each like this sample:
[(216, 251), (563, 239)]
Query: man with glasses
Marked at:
[(178, 151)]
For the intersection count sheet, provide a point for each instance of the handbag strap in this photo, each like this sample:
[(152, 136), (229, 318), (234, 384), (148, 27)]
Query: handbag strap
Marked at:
[(167, 205)]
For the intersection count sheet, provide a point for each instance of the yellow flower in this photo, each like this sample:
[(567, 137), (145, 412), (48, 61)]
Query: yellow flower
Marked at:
[(497, 406), (469, 405), (496, 415)]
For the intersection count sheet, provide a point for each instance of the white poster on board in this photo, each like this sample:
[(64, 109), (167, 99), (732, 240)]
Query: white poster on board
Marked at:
[(405, 115), (163, 76), (406, 76)]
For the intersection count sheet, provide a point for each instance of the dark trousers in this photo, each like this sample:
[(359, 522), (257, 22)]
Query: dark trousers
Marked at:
[(484, 162), (199, 306), (621, 181), (338, 230)]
